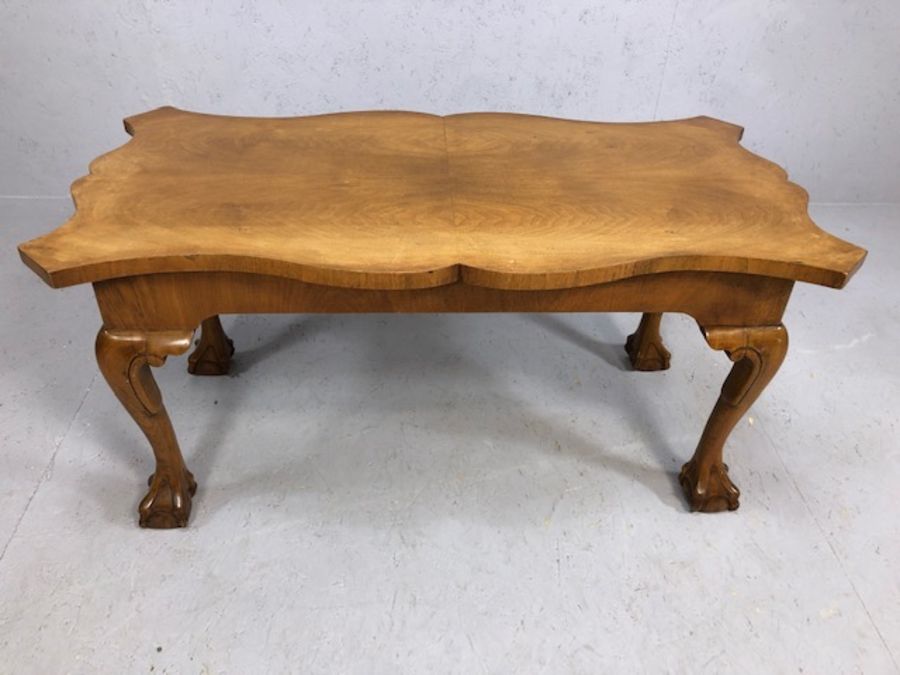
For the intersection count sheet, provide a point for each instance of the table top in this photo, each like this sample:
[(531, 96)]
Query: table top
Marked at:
[(395, 200)]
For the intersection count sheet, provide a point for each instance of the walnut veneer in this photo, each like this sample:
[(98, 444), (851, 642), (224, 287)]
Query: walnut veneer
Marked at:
[(201, 215)]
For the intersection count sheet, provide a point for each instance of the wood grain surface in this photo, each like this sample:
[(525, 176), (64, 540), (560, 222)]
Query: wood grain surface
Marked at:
[(396, 200)]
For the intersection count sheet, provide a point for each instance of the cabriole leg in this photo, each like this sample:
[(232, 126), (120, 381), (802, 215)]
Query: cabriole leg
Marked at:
[(757, 354), (645, 346), (213, 354), (125, 358)]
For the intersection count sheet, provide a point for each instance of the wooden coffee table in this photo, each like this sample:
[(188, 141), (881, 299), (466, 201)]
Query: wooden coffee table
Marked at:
[(201, 215)]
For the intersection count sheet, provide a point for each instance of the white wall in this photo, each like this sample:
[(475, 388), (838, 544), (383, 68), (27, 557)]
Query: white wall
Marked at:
[(816, 83)]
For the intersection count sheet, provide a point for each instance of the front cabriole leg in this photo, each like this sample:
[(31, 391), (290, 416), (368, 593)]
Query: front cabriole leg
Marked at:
[(757, 354), (125, 358)]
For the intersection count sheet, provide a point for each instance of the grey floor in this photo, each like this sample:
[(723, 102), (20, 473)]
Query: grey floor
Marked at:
[(466, 494)]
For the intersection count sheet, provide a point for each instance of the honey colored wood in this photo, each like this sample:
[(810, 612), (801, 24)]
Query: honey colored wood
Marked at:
[(199, 216), (151, 305), (645, 347), (125, 358), (757, 354), (155, 302), (393, 200), (212, 356)]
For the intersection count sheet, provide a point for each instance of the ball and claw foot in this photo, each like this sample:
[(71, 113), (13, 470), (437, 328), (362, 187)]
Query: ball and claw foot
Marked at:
[(214, 350), (168, 503), (709, 491), (645, 347)]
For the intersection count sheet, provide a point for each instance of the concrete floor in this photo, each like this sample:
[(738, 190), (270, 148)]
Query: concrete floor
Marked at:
[(466, 494)]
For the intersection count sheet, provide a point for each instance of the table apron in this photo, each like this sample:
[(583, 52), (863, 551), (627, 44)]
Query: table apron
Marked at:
[(181, 300)]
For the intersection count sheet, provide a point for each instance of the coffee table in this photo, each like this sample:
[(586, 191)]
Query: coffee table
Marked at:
[(202, 215)]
